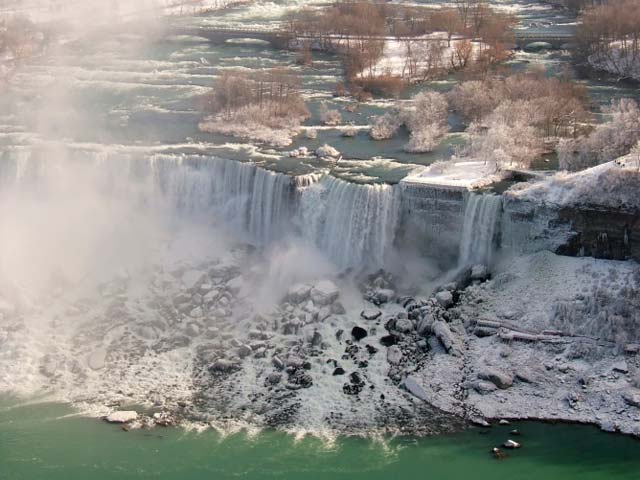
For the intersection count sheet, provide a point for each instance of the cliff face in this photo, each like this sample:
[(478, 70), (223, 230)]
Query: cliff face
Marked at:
[(575, 231), (610, 234), (431, 221)]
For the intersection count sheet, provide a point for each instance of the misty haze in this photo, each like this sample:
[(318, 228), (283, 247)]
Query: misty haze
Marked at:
[(336, 239)]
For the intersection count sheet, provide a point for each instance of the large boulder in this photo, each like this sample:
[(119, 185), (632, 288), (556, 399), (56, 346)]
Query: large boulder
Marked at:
[(298, 293), (324, 293), (394, 355), (479, 272), (193, 279), (632, 397), (415, 389), (499, 378), (97, 359), (444, 334), (444, 298)]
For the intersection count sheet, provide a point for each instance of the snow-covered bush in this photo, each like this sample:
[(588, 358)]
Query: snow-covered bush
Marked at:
[(330, 117), (385, 126)]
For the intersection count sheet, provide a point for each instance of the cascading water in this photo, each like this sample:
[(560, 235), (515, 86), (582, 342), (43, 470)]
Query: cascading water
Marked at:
[(354, 224), (481, 218)]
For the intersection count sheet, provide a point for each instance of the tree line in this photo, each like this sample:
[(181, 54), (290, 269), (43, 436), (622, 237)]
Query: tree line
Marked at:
[(608, 36)]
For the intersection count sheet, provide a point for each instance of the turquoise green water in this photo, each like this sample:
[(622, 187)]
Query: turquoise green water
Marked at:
[(36, 442)]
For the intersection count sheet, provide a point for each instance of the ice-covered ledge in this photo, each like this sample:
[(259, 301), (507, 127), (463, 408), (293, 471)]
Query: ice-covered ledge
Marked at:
[(457, 175)]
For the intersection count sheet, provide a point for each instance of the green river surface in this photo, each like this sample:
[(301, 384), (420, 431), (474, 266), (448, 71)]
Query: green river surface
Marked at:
[(47, 441)]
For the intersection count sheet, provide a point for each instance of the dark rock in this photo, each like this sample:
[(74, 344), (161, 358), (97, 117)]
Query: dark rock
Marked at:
[(389, 340), (371, 349), (277, 362), (358, 333), (339, 371)]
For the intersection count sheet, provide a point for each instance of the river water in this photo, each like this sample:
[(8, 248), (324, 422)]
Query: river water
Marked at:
[(119, 91), (40, 442)]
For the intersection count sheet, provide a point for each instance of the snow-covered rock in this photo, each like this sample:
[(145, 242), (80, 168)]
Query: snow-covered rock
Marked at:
[(96, 360), (324, 292), (327, 151), (122, 416)]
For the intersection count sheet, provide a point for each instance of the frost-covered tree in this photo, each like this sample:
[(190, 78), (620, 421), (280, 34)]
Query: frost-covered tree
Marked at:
[(507, 136), (426, 119), (609, 140)]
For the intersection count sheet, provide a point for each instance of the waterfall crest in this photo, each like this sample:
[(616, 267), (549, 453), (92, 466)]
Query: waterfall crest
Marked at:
[(481, 218)]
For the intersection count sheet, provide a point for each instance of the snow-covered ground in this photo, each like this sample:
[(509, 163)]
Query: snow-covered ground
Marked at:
[(456, 174), (614, 184)]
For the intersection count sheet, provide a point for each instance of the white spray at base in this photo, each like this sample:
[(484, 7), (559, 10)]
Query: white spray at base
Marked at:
[(481, 218)]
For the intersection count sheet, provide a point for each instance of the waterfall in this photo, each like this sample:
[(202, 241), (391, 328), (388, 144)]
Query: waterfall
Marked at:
[(253, 200), (481, 217), (354, 224)]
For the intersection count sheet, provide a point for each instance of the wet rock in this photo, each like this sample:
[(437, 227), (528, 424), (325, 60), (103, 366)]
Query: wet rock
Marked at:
[(298, 293), (370, 314), (483, 387), (316, 340), (425, 324), (96, 360), (324, 293), (244, 351), (444, 335), (414, 388), (277, 362), (338, 371), (394, 355), (620, 367), (389, 340), (358, 333), (404, 325), (299, 377), (512, 444), (632, 397), (123, 416), (223, 365), (479, 272), (193, 330), (337, 308), (444, 298), (164, 419), (371, 350), (500, 379), (324, 313)]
